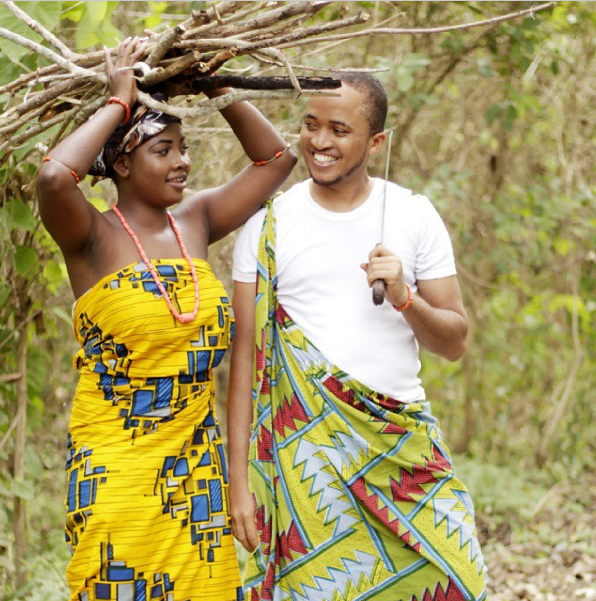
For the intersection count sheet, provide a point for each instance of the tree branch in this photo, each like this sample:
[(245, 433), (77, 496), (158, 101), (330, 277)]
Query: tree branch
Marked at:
[(422, 30), (64, 50), (7, 378)]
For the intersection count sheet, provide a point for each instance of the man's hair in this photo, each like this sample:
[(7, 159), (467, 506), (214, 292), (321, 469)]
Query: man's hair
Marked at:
[(375, 97)]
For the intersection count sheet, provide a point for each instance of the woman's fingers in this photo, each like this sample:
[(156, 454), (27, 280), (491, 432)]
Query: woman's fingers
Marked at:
[(109, 61)]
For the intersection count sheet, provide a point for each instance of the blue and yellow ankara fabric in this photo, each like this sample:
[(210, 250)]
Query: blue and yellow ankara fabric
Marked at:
[(355, 492), (147, 500)]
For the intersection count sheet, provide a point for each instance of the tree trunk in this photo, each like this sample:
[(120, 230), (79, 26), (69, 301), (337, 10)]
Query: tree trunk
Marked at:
[(19, 460)]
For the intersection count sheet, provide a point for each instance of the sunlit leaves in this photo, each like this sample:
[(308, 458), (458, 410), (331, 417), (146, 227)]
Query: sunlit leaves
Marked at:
[(45, 13), (95, 27), (25, 262), (155, 19), (19, 215), (54, 275), (407, 68)]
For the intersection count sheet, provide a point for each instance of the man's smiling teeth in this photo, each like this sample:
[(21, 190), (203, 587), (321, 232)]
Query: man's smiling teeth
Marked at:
[(323, 158), (179, 180)]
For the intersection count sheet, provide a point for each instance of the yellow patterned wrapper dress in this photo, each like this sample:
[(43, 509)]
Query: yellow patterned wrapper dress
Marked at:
[(147, 500)]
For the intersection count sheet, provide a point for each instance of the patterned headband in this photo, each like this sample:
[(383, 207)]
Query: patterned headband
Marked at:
[(143, 124)]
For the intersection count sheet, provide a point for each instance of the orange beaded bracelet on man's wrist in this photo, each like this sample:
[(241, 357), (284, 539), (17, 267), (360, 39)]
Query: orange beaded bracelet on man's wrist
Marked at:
[(407, 303)]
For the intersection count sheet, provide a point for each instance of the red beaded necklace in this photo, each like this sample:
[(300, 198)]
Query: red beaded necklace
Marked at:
[(181, 317)]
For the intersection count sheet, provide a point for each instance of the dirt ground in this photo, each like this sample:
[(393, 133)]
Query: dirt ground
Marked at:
[(548, 556)]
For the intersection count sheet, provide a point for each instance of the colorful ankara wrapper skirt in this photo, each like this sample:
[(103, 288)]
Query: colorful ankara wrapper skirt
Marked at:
[(356, 494), (147, 501)]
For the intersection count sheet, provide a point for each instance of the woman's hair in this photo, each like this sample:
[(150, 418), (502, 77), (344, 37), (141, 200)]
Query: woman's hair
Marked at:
[(144, 123)]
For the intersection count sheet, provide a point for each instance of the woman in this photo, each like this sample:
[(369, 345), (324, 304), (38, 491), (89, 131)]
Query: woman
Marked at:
[(147, 514)]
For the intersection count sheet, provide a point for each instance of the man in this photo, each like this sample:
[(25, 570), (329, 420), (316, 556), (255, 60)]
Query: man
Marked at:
[(354, 491)]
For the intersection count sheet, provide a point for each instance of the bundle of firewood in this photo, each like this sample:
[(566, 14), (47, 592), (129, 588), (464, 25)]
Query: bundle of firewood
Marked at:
[(179, 61)]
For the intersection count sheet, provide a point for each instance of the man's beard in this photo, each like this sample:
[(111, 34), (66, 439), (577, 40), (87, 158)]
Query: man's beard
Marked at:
[(341, 177)]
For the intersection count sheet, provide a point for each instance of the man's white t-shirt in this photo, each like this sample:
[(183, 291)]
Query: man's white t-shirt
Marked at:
[(324, 290)]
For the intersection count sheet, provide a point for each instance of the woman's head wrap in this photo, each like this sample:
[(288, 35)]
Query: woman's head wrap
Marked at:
[(144, 123)]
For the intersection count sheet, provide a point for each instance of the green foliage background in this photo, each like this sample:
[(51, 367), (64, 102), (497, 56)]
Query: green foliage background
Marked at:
[(496, 125)]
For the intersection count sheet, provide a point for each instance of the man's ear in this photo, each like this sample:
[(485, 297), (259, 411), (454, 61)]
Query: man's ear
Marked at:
[(122, 166), (377, 142)]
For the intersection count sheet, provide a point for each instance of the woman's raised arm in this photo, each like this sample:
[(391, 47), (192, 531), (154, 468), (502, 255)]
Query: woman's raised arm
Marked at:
[(66, 214), (228, 206)]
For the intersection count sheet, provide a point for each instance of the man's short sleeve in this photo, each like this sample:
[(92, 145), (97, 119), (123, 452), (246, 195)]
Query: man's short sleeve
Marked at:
[(244, 268), (434, 257)]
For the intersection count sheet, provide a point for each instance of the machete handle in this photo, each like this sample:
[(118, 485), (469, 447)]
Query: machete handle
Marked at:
[(378, 292)]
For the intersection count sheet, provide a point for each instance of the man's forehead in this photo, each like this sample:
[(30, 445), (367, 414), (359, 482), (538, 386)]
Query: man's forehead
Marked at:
[(344, 109), (337, 118)]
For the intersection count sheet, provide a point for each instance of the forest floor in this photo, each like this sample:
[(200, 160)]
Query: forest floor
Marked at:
[(548, 554), (538, 535)]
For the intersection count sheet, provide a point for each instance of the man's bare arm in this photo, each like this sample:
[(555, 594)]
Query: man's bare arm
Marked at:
[(239, 415)]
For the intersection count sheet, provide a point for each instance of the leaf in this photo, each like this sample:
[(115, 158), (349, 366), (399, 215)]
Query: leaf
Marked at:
[(25, 262), (63, 315), (23, 489), (74, 11), (509, 118), (36, 375), (494, 112), (8, 70), (53, 275), (45, 13), (4, 294), (415, 61), (484, 67), (554, 67), (43, 137), (32, 462), (108, 33), (20, 215), (95, 26), (405, 79)]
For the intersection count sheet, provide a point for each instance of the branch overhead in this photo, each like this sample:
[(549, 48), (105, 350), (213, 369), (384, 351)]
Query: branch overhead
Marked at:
[(183, 60)]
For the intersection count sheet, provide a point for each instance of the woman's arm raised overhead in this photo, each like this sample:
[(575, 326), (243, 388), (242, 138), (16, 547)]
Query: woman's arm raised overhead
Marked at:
[(66, 214), (228, 206)]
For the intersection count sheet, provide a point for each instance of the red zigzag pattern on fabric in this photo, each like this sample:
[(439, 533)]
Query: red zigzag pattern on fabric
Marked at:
[(287, 413), (288, 543), (451, 593), (265, 445)]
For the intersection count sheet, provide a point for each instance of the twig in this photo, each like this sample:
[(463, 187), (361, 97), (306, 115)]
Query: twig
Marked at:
[(420, 30), (280, 56), (7, 378), (278, 42), (553, 422), (202, 84), (13, 425), (236, 16), (38, 28), (551, 491), (49, 54), (273, 63), (177, 58), (164, 43), (220, 102), (161, 74)]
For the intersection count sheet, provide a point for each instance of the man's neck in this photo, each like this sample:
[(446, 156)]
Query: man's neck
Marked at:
[(344, 196)]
